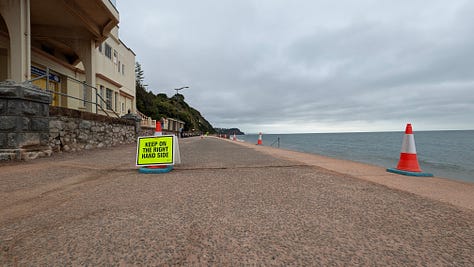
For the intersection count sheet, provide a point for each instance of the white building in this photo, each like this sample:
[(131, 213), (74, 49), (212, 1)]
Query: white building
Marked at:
[(76, 42)]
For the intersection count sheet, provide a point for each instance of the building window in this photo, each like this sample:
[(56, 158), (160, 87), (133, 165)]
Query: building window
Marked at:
[(108, 51), (116, 102), (101, 102), (108, 98), (123, 107), (123, 69), (84, 94), (118, 67), (115, 57)]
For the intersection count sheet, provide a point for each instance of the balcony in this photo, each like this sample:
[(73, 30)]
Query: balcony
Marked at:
[(54, 20)]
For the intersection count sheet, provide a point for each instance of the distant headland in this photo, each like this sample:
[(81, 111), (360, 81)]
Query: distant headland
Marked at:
[(229, 131)]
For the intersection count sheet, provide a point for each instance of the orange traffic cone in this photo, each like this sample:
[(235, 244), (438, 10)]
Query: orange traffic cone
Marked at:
[(259, 142), (408, 163), (158, 129)]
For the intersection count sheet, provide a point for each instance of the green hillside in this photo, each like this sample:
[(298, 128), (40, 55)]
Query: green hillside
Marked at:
[(161, 106)]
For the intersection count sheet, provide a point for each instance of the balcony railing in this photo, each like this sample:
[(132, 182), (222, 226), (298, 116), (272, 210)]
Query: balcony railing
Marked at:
[(146, 121)]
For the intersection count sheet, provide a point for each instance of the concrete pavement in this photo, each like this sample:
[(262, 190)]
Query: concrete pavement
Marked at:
[(225, 205)]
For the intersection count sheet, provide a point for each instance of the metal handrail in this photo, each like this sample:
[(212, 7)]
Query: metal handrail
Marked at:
[(97, 95), (102, 99), (276, 141)]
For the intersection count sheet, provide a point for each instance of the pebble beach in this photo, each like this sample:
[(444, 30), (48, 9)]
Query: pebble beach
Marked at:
[(229, 203)]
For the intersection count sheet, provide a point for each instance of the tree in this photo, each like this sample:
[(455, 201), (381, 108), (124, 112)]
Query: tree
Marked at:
[(139, 75), (159, 106)]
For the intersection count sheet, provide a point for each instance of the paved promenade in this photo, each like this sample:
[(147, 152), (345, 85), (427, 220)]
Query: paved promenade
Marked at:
[(227, 204)]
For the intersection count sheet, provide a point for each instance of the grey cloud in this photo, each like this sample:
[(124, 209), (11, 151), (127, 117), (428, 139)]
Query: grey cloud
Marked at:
[(337, 65)]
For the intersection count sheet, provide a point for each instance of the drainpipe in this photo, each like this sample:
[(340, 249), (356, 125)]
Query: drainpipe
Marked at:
[(28, 40)]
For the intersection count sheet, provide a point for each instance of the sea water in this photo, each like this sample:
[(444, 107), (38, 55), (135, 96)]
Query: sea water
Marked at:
[(447, 154)]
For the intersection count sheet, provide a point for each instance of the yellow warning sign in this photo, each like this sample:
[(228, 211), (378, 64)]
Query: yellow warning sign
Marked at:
[(155, 150)]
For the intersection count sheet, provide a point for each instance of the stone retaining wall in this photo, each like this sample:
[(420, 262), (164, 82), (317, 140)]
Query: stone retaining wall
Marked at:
[(147, 131), (31, 128), (73, 130)]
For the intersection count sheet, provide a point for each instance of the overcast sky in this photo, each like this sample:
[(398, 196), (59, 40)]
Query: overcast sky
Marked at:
[(286, 66)]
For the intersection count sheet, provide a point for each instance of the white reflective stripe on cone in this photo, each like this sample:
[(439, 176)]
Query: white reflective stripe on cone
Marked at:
[(408, 145)]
